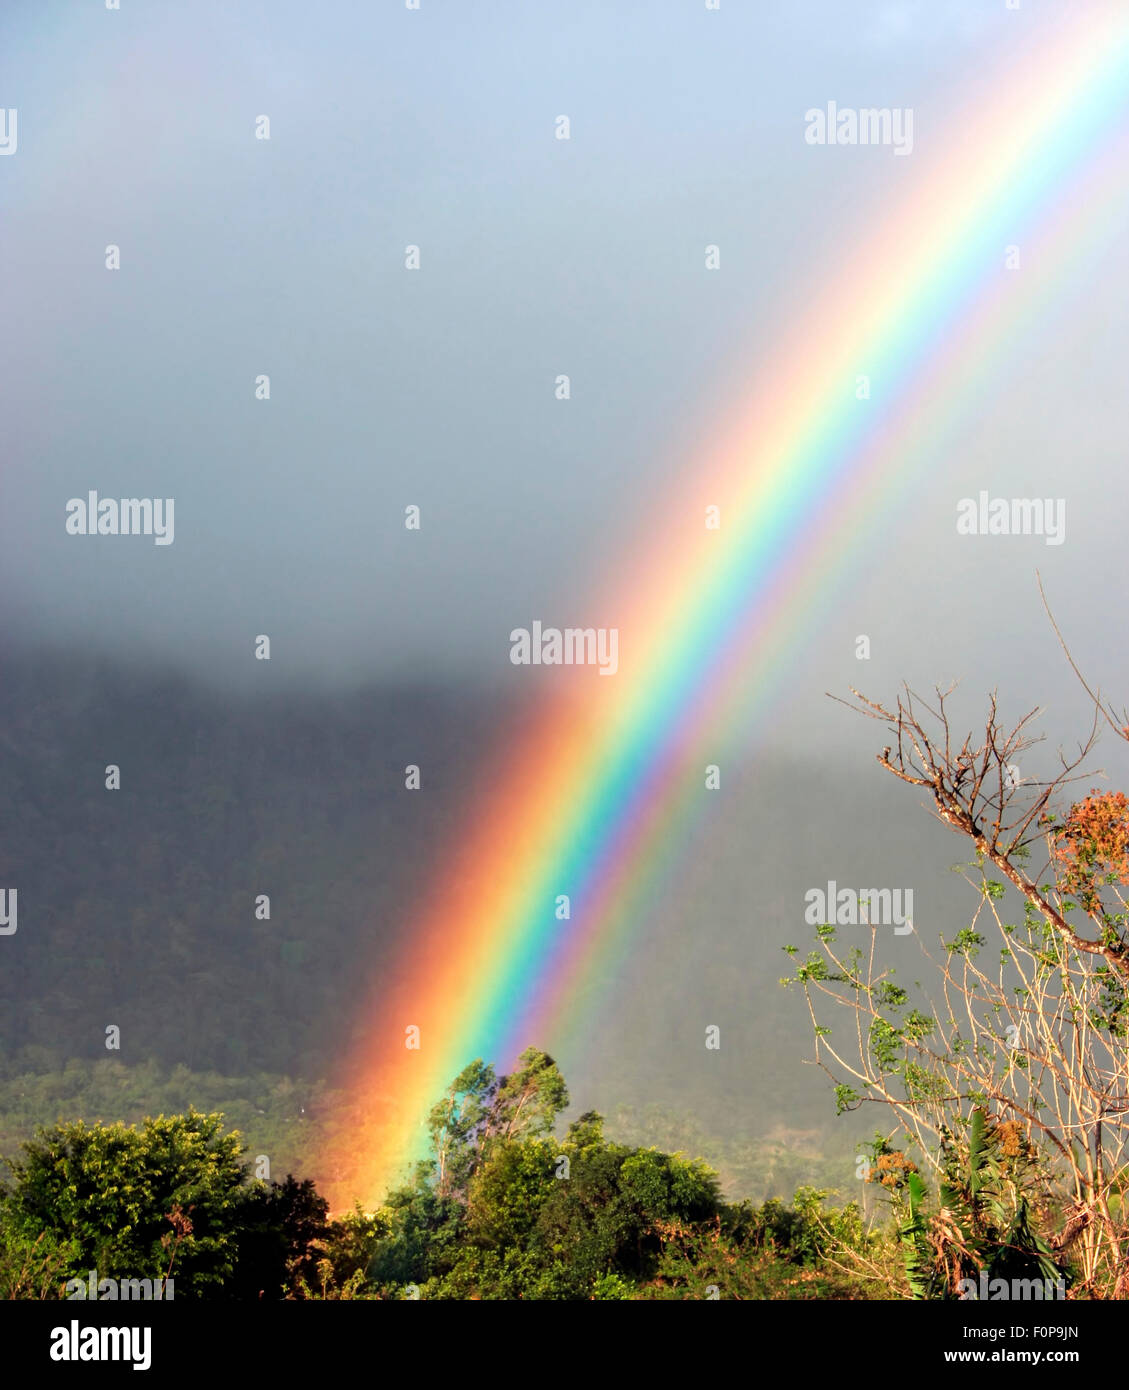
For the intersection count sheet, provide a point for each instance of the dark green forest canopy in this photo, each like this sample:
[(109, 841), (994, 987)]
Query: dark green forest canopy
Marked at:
[(502, 1208), (509, 1204)]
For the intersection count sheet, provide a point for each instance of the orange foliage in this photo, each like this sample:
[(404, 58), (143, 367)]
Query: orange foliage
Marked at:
[(892, 1170), (1093, 844)]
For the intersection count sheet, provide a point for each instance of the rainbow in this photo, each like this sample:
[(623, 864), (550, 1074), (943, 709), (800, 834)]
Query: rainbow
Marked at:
[(594, 799)]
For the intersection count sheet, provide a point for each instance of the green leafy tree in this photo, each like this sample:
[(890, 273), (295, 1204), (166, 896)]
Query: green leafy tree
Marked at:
[(529, 1100), (111, 1195), (456, 1126), (423, 1231), (33, 1267), (479, 1108)]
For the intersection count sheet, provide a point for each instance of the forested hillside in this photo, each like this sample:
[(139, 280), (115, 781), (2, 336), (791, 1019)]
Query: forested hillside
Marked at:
[(499, 1209), (137, 909)]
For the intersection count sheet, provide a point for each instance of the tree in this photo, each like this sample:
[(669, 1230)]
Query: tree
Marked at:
[(33, 1268), (281, 1229), (1033, 1036), (115, 1197), (478, 1108), (456, 1126), (505, 1210), (529, 1100)]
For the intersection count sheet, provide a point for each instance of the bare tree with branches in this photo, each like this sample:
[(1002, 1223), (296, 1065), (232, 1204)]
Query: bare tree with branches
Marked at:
[(1025, 1017)]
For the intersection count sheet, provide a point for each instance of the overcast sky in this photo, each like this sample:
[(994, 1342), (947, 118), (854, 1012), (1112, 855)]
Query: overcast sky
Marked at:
[(435, 127)]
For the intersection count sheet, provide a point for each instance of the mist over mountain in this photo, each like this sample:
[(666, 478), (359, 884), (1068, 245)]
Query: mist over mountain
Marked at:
[(137, 907)]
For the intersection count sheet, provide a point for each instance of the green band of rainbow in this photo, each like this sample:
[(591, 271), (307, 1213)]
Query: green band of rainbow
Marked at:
[(592, 799)]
